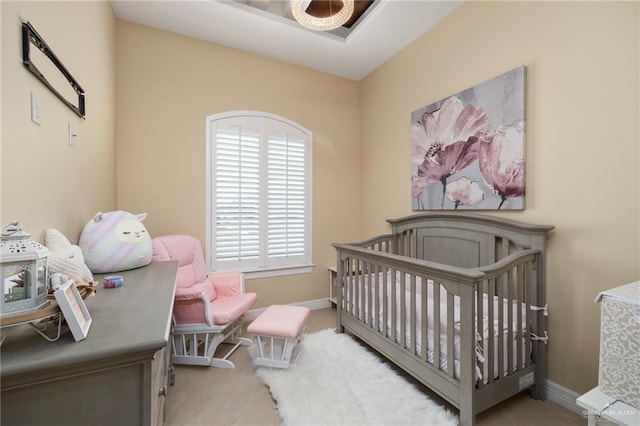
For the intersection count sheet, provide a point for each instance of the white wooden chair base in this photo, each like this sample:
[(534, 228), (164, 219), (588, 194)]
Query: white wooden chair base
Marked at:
[(277, 331), (195, 344), (276, 352)]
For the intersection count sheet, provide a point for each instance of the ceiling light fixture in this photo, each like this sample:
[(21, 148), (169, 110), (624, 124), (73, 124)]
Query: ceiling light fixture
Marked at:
[(333, 21)]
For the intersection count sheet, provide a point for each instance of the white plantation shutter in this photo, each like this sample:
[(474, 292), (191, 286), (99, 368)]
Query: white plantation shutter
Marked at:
[(237, 191), (286, 191), (259, 192)]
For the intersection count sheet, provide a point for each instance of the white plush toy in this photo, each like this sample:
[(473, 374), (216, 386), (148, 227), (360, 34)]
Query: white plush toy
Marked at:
[(56, 280), (65, 257), (116, 241)]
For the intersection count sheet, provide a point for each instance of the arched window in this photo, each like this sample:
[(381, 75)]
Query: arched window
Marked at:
[(258, 194)]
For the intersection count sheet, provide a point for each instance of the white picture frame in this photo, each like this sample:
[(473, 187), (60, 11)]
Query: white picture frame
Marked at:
[(74, 310)]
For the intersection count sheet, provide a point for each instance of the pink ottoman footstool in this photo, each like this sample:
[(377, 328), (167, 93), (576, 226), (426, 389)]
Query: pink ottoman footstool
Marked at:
[(278, 329)]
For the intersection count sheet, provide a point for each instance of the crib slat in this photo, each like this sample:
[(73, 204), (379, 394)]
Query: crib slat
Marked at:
[(527, 334), (520, 279), (346, 267), (405, 242), (504, 244), (354, 288), (363, 282), (369, 290), (436, 324), (490, 355), (346, 304), (394, 302), (385, 304), (450, 334), (357, 297), (376, 297), (479, 322), (506, 283), (342, 286), (412, 312), (403, 310), (509, 276), (362, 292), (424, 286), (501, 335), (414, 245), (352, 284)]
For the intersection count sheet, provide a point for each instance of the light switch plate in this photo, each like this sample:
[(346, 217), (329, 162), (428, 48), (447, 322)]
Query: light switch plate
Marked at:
[(71, 134), (35, 108)]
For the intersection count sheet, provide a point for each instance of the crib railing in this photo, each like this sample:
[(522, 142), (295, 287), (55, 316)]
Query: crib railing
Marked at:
[(512, 283), (381, 243), (383, 297)]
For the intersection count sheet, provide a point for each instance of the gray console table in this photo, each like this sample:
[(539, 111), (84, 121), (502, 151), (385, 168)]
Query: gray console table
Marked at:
[(118, 375)]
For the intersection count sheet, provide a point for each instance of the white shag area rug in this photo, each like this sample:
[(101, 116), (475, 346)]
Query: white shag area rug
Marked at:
[(335, 381)]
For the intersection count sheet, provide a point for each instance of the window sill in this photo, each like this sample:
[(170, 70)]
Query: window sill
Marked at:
[(278, 272)]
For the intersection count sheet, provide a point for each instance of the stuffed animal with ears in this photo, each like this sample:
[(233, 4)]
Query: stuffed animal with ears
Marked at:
[(116, 241), (65, 258)]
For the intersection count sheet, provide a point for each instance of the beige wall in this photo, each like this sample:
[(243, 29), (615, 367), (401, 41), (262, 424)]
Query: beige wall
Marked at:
[(45, 182), (582, 144), (168, 84)]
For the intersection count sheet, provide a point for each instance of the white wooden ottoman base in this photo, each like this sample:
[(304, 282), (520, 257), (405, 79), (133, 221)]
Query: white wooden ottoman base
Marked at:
[(278, 329)]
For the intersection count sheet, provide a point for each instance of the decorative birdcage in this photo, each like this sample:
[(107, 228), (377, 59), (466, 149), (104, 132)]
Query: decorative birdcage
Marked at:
[(23, 271)]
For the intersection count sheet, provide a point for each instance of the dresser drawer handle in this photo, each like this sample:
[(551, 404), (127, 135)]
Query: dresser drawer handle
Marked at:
[(163, 391), (172, 375)]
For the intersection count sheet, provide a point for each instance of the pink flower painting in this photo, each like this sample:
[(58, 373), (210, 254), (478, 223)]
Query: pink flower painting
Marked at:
[(501, 161), (464, 192), (445, 142), (468, 149)]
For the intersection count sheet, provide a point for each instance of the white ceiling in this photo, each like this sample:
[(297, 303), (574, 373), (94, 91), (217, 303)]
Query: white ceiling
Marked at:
[(382, 32)]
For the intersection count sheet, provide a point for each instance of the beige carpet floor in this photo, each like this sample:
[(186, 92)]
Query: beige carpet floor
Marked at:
[(214, 396)]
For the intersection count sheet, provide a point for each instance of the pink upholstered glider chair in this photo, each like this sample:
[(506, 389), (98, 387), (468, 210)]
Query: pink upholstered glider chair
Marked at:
[(208, 309)]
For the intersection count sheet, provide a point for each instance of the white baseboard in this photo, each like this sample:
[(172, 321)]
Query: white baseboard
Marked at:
[(311, 304), (564, 397)]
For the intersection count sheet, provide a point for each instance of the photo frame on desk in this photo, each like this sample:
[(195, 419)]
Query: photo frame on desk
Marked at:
[(73, 309)]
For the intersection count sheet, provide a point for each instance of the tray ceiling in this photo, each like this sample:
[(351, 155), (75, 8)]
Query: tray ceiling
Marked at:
[(267, 28)]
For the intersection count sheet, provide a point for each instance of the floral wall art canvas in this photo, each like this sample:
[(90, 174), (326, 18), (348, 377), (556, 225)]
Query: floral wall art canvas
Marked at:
[(468, 149)]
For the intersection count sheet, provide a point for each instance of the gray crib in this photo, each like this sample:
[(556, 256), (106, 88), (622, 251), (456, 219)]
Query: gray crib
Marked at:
[(452, 283)]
